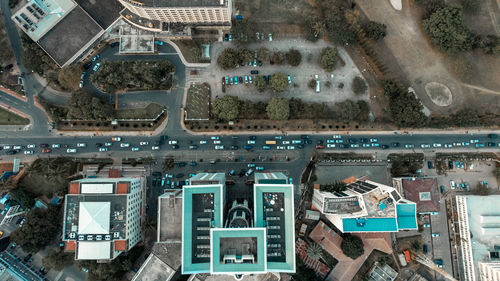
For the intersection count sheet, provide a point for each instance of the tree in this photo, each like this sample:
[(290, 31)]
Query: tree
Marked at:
[(69, 77), (57, 259), (278, 82), (243, 31), (228, 59), (431, 6), (336, 24), (277, 57), (312, 25), (490, 44), (260, 83), (405, 108), (337, 186), (358, 85), (85, 106), (168, 163), (329, 58), (481, 190), (471, 6), (226, 108), (352, 246), (293, 57), (304, 272), (244, 56), (278, 109), (262, 53), (39, 230), (375, 30), (26, 200), (312, 84), (349, 110), (416, 245), (314, 251), (446, 29), (34, 58)]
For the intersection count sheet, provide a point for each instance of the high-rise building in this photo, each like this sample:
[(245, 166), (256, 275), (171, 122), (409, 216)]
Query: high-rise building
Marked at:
[(236, 233), (102, 217), (212, 12)]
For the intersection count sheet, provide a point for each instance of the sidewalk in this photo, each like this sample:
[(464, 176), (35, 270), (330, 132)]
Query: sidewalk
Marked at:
[(184, 61)]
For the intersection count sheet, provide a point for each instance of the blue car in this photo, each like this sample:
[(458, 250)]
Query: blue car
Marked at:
[(266, 147), (159, 43), (235, 80)]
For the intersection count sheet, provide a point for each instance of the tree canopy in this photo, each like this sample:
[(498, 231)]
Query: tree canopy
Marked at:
[(34, 58), (39, 230), (226, 107), (375, 30), (57, 259), (278, 82), (278, 109), (260, 83), (329, 58), (446, 29), (69, 77), (277, 57), (293, 57), (228, 58), (352, 246), (359, 85), (349, 110), (405, 108), (85, 106)]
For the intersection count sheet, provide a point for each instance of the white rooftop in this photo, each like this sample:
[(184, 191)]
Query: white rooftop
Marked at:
[(97, 188), (94, 250), (94, 218)]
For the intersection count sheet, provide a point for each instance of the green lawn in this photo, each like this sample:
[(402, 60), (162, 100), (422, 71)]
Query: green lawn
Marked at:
[(149, 112), (198, 102), (9, 118), (192, 50)]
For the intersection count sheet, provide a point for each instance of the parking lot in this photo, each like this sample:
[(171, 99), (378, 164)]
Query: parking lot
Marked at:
[(300, 75)]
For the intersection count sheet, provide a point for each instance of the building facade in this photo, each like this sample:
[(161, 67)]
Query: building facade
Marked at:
[(102, 217), (207, 12)]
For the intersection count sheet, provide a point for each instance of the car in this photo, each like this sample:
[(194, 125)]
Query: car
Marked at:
[(300, 146), (365, 145), (155, 148), (81, 144), (373, 140), (28, 152), (490, 144), (385, 146), (251, 165), (466, 143), (135, 149), (172, 142), (364, 140), (143, 143), (124, 144), (114, 44), (278, 137), (96, 67), (30, 146), (81, 84), (103, 149), (254, 72), (448, 145), (248, 147), (435, 235), (71, 150), (296, 141), (159, 43), (96, 57), (436, 145), (375, 144), (427, 225), (409, 146), (98, 144), (286, 142), (193, 146), (215, 137), (270, 35), (226, 79), (249, 172), (474, 141), (450, 165), (254, 62), (46, 150), (175, 146), (289, 79), (234, 147), (429, 165), (425, 145), (116, 139), (251, 142), (339, 141), (235, 80), (290, 147), (250, 79), (320, 146), (266, 147), (252, 137), (330, 145), (246, 79), (7, 147), (217, 142), (478, 145), (319, 142), (230, 38), (280, 147), (56, 145), (203, 142), (396, 144), (18, 147), (457, 144), (193, 163), (259, 168), (219, 147), (452, 184), (330, 141), (108, 144), (354, 145)]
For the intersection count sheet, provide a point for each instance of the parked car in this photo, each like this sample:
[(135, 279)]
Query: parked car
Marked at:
[(254, 72), (81, 144), (96, 67), (71, 150), (116, 139), (96, 57), (435, 235), (103, 149), (124, 144), (143, 143)]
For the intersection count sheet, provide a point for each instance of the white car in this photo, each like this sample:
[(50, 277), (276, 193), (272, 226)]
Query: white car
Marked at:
[(71, 150), (28, 152), (290, 147), (81, 144), (135, 149), (337, 136), (103, 149), (280, 147), (155, 148), (452, 184), (172, 142), (330, 145), (108, 144), (215, 137), (425, 146), (7, 147), (286, 142), (408, 145), (30, 146), (219, 147), (17, 147), (124, 144), (251, 142), (203, 142), (56, 145), (436, 145), (143, 143), (216, 141)]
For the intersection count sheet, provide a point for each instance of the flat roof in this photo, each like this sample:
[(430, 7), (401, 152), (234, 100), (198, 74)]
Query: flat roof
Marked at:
[(154, 269), (96, 187), (181, 3), (169, 217), (202, 210), (94, 250), (238, 243), (274, 210), (103, 12), (424, 192), (70, 35)]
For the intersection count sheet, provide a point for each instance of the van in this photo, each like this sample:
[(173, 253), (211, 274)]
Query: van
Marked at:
[(318, 88), (249, 172)]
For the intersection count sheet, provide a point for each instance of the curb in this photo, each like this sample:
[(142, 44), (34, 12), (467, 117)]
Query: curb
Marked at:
[(14, 94), (15, 111)]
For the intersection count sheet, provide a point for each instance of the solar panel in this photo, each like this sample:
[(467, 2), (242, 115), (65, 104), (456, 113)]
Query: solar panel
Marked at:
[(396, 196)]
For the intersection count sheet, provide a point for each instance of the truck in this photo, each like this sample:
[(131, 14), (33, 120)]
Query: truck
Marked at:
[(270, 142)]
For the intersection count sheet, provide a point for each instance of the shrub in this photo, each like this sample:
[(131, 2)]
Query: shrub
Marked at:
[(329, 58), (352, 246), (312, 84), (278, 109), (375, 30), (278, 82), (359, 85), (293, 57)]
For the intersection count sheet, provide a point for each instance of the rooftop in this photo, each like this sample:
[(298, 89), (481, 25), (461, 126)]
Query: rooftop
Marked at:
[(271, 178), (424, 192), (70, 35), (103, 12), (169, 217), (154, 269), (179, 3)]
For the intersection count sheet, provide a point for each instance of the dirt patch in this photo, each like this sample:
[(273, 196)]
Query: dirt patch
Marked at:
[(198, 102), (439, 93)]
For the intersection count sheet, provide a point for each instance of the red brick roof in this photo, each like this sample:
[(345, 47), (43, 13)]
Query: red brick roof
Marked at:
[(74, 188), (413, 188), (120, 245), (113, 173), (70, 246)]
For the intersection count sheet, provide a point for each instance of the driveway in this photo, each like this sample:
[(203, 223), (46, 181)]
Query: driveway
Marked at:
[(301, 75)]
